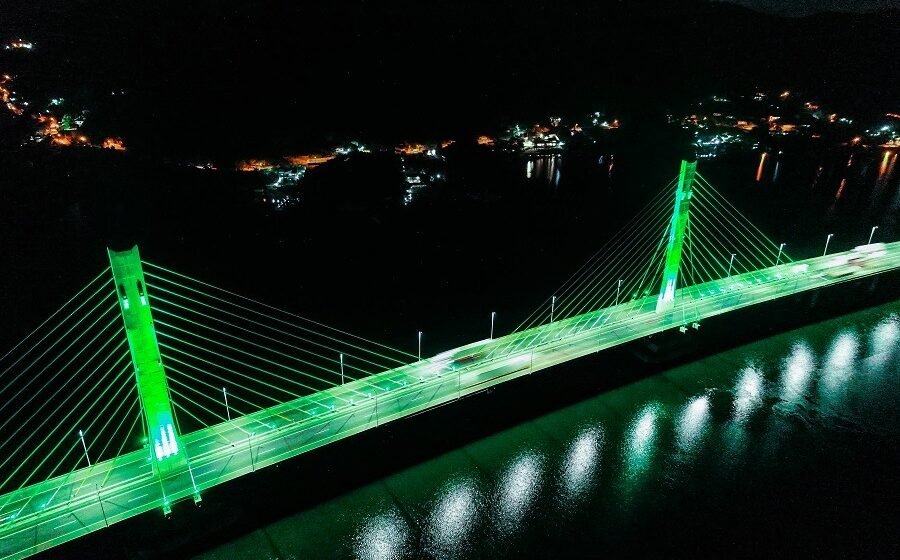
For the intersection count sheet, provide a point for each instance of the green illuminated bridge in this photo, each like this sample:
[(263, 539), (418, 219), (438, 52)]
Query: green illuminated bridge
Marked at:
[(149, 387)]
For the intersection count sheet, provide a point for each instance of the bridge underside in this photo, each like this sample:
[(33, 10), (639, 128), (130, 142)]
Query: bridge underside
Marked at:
[(43, 515)]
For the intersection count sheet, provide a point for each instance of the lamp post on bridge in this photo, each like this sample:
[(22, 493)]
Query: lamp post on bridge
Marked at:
[(730, 263), (86, 456), (871, 234), (778, 258), (227, 408), (827, 240), (493, 316), (618, 290), (420, 346), (342, 369), (552, 307)]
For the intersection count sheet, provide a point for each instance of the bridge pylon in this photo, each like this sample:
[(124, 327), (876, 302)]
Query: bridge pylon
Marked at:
[(677, 229), (169, 456)]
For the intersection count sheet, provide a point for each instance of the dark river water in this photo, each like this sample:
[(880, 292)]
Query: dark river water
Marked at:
[(784, 445)]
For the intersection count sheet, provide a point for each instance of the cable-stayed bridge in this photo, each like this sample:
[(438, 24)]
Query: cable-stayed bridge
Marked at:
[(148, 386)]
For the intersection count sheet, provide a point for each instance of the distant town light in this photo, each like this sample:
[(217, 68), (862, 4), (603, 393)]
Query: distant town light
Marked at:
[(20, 44)]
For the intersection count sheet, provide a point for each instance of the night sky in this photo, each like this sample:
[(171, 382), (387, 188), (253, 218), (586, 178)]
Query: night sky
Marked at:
[(230, 79)]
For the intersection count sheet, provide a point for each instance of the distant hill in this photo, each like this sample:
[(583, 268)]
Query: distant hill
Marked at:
[(810, 7), (228, 78)]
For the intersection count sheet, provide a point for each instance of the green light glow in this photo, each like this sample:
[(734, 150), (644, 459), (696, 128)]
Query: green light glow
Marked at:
[(165, 442), (227, 450), (676, 236), (39, 516)]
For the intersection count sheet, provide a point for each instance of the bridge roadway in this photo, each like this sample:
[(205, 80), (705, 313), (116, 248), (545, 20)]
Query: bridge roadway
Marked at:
[(49, 513)]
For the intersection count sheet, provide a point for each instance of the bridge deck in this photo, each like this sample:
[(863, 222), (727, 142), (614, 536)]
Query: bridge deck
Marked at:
[(46, 514)]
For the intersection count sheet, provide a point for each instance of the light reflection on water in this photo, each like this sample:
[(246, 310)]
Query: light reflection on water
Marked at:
[(453, 518), (875, 388), (747, 398), (582, 463), (382, 537), (748, 393), (692, 425), (837, 371), (547, 169), (885, 338), (797, 373), (806, 376), (639, 444), (843, 350), (518, 487), (883, 168)]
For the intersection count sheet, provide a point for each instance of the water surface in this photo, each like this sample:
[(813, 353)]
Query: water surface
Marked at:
[(785, 445)]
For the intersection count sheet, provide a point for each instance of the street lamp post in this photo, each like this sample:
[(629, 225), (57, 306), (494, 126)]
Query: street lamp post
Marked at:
[(420, 345), (618, 290), (227, 408), (871, 234), (552, 307), (342, 369), (827, 240), (778, 258), (730, 263), (493, 316), (86, 456)]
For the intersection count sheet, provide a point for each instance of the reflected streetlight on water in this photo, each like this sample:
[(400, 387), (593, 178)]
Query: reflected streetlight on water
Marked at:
[(843, 350), (382, 537), (640, 442), (837, 370), (692, 425), (797, 370), (747, 399), (453, 518), (518, 487), (748, 393), (582, 462), (885, 339)]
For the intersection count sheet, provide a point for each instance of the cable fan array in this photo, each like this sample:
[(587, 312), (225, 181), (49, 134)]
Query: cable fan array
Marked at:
[(68, 396), (719, 242), (67, 391), (227, 355)]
